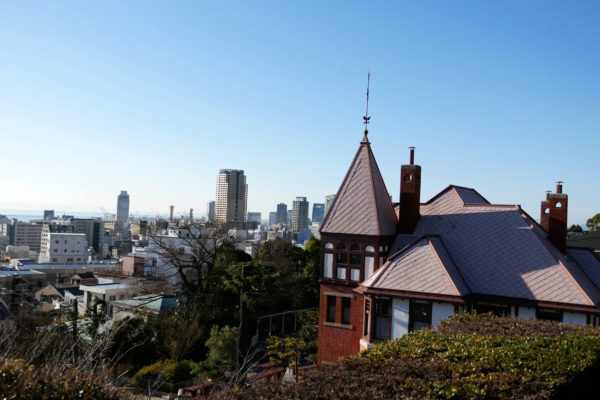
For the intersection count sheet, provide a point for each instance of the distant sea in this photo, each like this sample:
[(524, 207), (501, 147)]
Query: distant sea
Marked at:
[(30, 215)]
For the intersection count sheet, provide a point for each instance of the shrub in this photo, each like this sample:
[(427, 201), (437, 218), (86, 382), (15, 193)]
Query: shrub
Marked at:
[(169, 371), (20, 380), (468, 357)]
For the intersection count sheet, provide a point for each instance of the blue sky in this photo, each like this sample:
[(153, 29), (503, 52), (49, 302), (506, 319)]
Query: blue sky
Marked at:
[(155, 97)]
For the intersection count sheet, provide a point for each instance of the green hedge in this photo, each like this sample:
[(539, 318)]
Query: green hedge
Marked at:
[(468, 357)]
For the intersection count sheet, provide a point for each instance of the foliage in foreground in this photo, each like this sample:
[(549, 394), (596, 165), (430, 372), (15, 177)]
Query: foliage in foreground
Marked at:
[(20, 380), (469, 357)]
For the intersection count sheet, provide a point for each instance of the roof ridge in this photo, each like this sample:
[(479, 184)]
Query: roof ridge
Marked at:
[(372, 184), (453, 262)]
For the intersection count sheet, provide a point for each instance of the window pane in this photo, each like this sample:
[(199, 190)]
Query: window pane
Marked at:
[(355, 274), (328, 267), (341, 258), (370, 249), (382, 318), (346, 310), (341, 273), (369, 262), (341, 246), (354, 247), (355, 259), (329, 245), (331, 308), (420, 314)]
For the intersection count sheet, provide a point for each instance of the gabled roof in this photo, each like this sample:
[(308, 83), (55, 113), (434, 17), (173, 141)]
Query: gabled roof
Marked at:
[(498, 250), (362, 205), (425, 266)]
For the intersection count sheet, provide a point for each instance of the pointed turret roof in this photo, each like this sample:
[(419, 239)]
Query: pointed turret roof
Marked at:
[(362, 205)]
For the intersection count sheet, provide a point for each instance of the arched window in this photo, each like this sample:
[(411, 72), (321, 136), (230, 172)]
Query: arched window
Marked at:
[(559, 205), (370, 249), (341, 246), (547, 211), (354, 247), (329, 245)]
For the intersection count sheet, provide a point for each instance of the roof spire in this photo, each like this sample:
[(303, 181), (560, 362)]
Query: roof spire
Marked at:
[(366, 117)]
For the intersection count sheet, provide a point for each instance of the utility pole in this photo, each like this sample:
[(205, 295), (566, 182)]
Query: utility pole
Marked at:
[(243, 312), (75, 335)]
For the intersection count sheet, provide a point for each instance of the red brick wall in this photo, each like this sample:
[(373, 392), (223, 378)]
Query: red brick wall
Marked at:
[(336, 342)]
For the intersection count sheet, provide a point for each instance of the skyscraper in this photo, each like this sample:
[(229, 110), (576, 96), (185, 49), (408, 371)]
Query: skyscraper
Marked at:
[(272, 218), (232, 196), (123, 207), (282, 213), (328, 201), (318, 212), (210, 211), (299, 214)]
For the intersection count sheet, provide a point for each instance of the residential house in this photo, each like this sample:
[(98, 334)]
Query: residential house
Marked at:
[(388, 269)]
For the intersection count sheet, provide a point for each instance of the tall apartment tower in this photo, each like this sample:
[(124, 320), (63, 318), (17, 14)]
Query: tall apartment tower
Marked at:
[(318, 212), (282, 213), (210, 211), (123, 207), (299, 215), (328, 201), (232, 197)]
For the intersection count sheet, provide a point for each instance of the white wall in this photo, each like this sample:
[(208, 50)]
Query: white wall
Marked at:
[(526, 312), (440, 311), (399, 317), (574, 318)]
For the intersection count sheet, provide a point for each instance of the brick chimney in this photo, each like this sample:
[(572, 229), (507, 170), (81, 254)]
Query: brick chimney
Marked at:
[(410, 195), (554, 217), (545, 212)]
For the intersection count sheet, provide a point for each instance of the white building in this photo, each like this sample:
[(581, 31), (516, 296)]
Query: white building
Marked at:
[(232, 196), (64, 248)]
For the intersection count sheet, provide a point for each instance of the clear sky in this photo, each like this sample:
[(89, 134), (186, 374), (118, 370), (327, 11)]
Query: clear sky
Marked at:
[(154, 97)]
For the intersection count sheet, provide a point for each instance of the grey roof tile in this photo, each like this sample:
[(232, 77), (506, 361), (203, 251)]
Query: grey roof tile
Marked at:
[(362, 205)]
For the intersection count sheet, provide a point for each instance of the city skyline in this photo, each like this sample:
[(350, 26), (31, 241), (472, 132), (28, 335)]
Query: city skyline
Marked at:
[(500, 97)]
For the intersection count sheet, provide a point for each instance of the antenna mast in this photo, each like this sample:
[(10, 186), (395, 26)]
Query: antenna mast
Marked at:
[(366, 117)]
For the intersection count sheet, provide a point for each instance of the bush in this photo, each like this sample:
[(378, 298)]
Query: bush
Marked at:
[(169, 371), (468, 357), (20, 380)]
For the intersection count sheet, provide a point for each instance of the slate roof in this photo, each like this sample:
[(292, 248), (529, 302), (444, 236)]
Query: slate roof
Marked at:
[(362, 205), (486, 249), (424, 266)]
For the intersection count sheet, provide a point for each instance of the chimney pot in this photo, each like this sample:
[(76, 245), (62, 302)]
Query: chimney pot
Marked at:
[(548, 194), (559, 186), (412, 155)]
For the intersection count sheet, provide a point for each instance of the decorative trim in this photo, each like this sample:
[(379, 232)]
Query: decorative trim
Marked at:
[(336, 294), (337, 325)]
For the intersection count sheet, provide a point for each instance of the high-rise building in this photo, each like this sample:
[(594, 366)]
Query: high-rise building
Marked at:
[(253, 220), (232, 197), (328, 201), (210, 211), (299, 214), (318, 211), (272, 218), (282, 211), (123, 207), (25, 234), (289, 217), (254, 217), (48, 215)]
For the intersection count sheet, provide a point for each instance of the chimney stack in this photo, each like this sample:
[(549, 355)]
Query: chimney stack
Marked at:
[(171, 217), (410, 195), (554, 217)]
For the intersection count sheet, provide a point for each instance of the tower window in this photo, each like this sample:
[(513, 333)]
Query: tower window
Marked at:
[(559, 205), (331, 300), (346, 310)]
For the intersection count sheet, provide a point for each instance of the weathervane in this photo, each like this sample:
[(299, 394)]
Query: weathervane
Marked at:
[(366, 117)]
